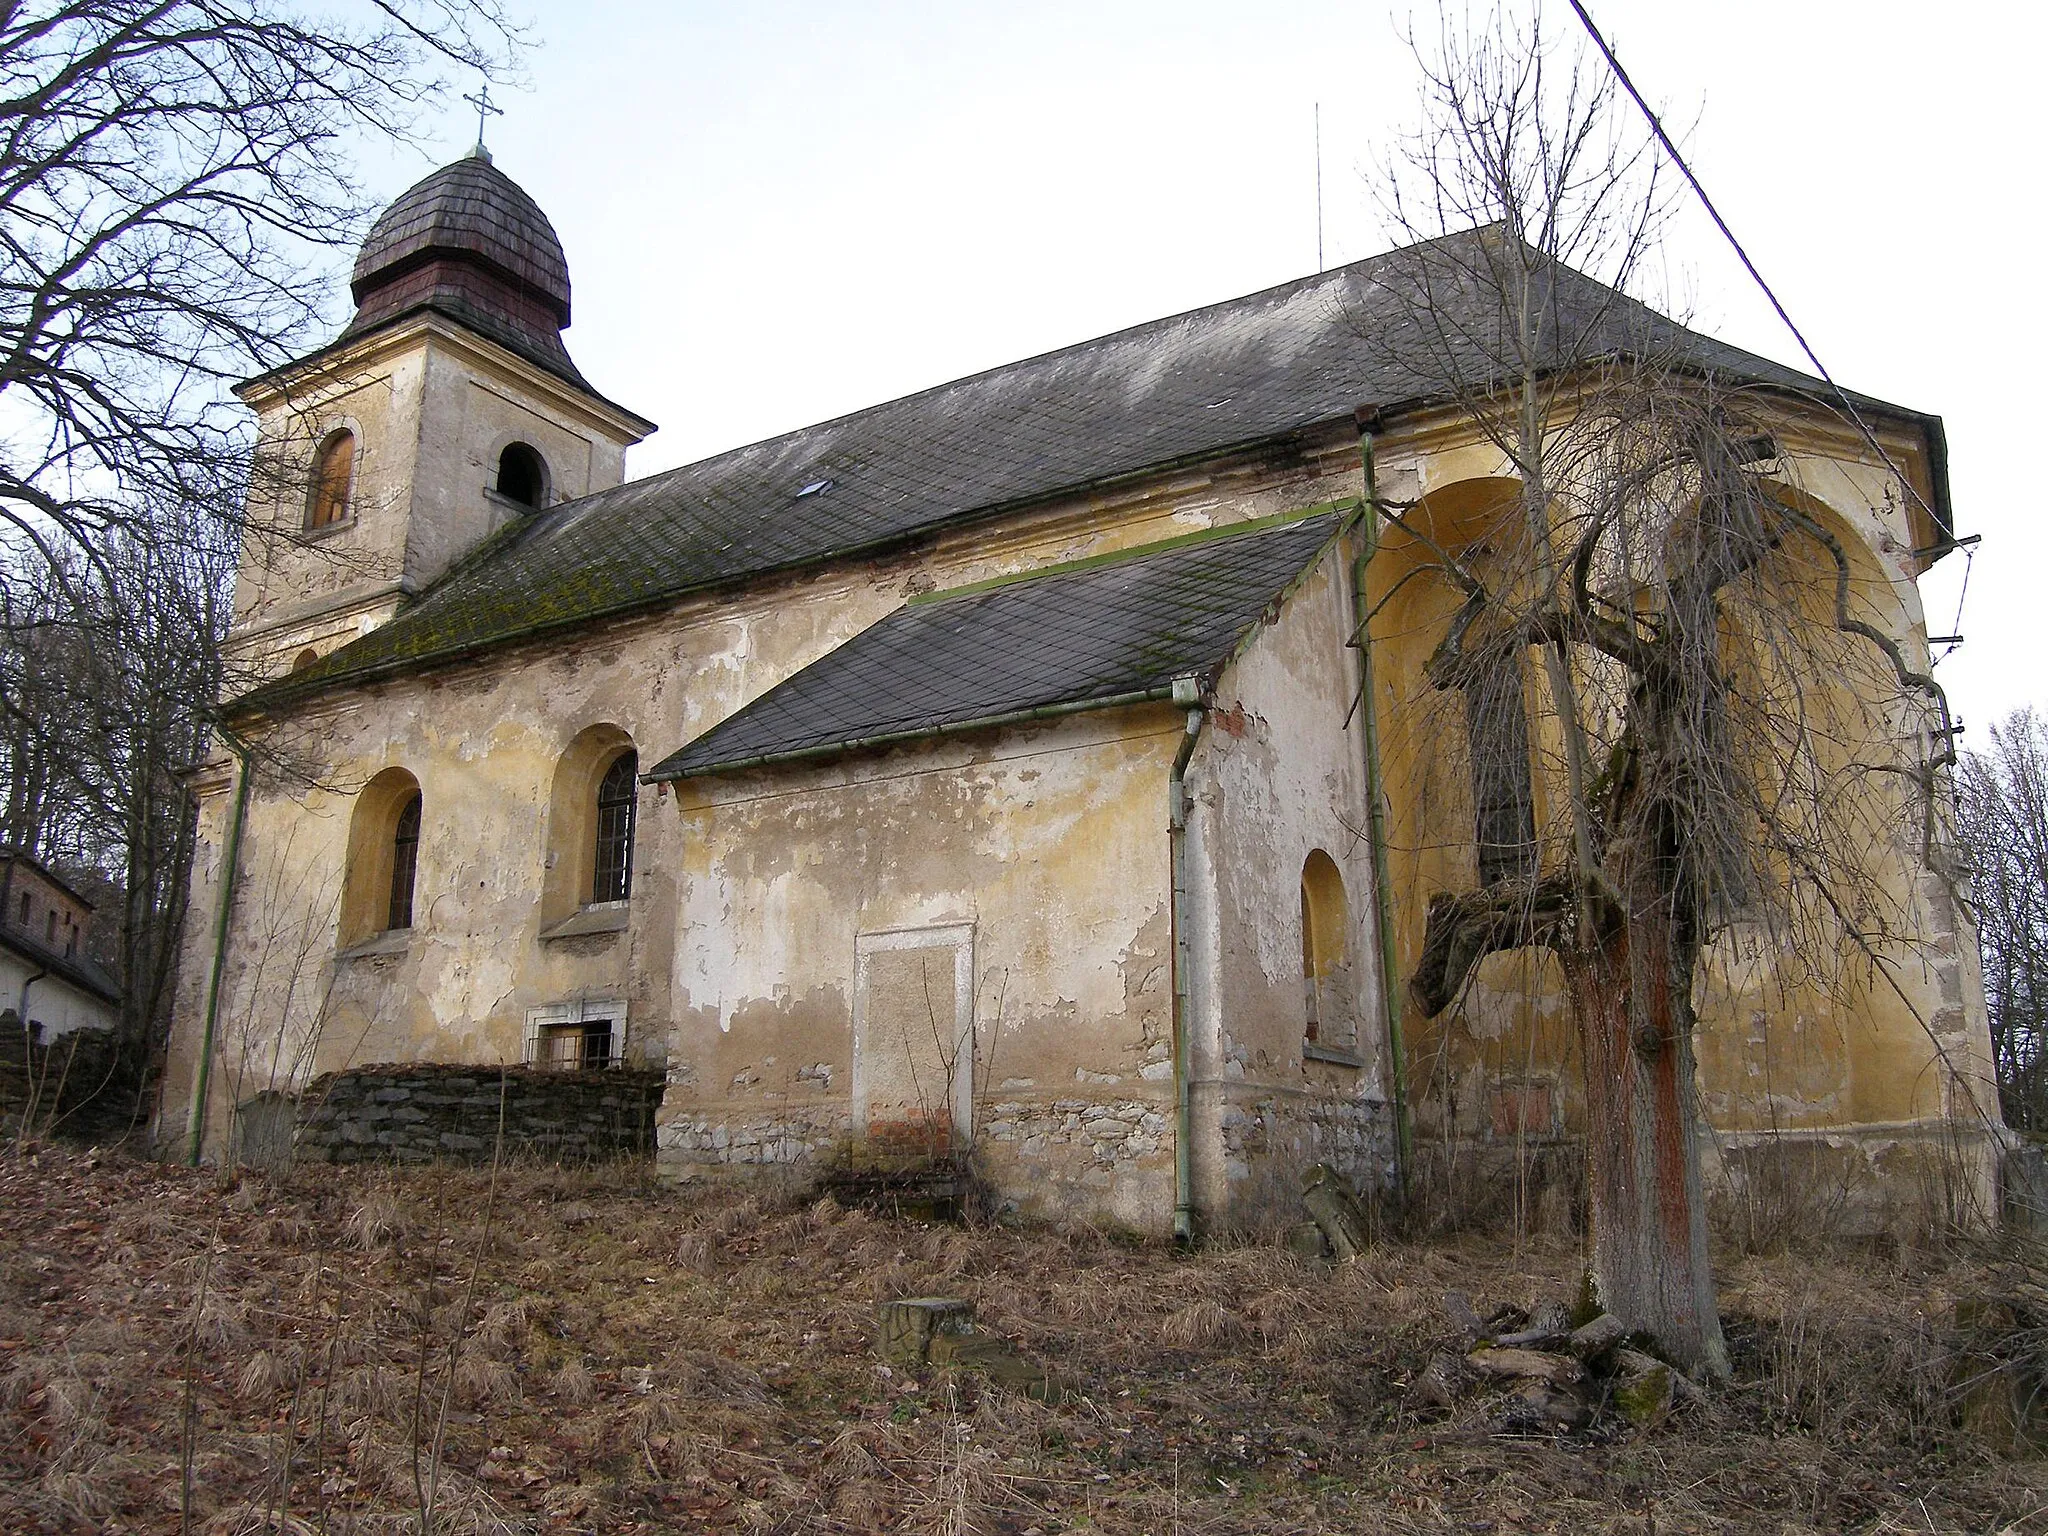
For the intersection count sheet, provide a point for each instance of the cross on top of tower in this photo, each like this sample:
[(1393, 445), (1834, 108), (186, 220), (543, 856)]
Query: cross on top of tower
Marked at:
[(480, 98)]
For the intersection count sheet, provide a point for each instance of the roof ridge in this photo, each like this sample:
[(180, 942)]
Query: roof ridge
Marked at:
[(1254, 373), (998, 368)]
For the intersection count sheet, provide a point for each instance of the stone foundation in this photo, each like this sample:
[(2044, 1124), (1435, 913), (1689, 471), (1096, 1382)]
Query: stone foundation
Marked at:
[(417, 1114), (1904, 1181), (1072, 1157), (1907, 1181), (733, 1139), (1106, 1159), (1268, 1137)]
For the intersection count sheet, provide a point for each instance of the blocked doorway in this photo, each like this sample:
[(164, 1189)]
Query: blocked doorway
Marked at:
[(913, 1041)]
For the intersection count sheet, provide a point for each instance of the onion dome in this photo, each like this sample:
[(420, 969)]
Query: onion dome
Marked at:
[(467, 242)]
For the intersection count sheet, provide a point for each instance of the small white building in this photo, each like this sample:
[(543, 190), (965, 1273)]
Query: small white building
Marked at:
[(48, 984)]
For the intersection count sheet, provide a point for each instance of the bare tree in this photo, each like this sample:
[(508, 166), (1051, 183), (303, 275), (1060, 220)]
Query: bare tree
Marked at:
[(107, 683), (2003, 822), (173, 202), (1722, 730), (170, 171)]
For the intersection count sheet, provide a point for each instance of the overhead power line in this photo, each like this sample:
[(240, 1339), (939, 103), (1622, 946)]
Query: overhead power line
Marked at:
[(1706, 202)]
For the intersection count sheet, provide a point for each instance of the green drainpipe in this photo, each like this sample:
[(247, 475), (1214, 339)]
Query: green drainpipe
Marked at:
[(1375, 789), (231, 858), (1185, 692)]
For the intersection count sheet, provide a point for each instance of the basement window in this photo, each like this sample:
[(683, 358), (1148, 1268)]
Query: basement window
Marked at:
[(577, 1047), (576, 1037)]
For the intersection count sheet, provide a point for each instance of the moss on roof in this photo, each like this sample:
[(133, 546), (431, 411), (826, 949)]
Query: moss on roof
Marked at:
[(1252, 370)]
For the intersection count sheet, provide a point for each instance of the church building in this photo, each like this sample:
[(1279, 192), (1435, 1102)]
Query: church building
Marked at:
[(1033, 769)]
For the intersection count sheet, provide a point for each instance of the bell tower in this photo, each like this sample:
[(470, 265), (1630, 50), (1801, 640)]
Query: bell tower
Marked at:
[(448, 408)]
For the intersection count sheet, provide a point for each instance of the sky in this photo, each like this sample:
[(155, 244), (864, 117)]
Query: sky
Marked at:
[(777, 212)]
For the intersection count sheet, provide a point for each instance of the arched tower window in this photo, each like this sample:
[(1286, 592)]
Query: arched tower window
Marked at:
[(613, 865), (405, 858), (1325, 926), (334, 467), (305, 659), (523, 475)]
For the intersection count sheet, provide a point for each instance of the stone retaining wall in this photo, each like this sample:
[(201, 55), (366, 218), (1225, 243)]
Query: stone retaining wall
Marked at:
[(417, 1114), (83, 1086)]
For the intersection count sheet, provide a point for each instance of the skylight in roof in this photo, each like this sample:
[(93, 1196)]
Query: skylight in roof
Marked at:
[(815, 488)]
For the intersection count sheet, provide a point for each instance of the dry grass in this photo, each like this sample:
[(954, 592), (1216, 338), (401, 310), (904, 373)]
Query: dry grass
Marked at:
[(641, 1359)]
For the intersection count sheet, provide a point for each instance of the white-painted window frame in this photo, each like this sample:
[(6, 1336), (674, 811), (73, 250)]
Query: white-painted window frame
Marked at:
[(582, 1010)]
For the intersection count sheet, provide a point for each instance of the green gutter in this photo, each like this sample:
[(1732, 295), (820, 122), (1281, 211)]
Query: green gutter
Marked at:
[(1151, 695), (1375, 789), (1183, 1052), (231, 858)]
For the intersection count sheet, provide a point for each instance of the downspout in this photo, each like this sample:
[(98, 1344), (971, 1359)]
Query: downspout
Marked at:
[(1375, 789), (1186, 692), (21, 1012), (28, 1040), (231, 859)]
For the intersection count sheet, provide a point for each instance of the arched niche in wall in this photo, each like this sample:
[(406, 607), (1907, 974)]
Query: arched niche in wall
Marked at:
[(1326, 979), (1435, 800), (590, 828), (1831, 737)]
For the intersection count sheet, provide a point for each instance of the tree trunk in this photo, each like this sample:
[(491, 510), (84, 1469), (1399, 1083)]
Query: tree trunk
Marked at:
[(1649, 1262)]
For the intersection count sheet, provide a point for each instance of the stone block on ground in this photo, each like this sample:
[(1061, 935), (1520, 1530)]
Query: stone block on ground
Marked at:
[(1334, 1208), (906, 1328), (997, 1361), (1305, 1240)]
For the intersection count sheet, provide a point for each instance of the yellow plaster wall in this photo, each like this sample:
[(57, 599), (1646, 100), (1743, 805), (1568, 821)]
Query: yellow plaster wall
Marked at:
[(1280, 772), (1843, 1050), (484, 741), (1049, 844)]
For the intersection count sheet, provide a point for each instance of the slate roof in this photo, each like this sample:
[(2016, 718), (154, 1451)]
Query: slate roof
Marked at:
[(1258, 369), (1102, 632)]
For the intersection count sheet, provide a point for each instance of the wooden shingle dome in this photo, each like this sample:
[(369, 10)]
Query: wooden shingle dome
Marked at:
[(469, 243)]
